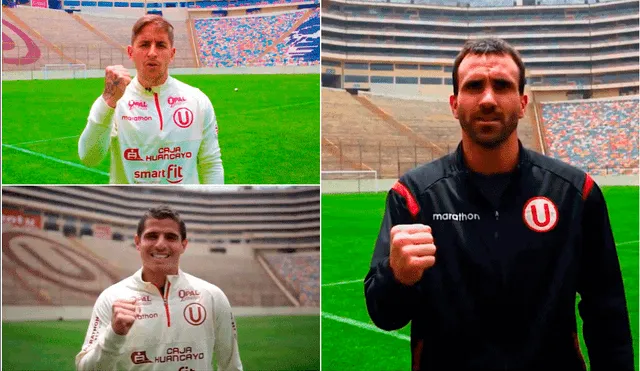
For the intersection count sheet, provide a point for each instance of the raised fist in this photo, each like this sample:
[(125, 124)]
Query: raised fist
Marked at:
[(116, 79), (123, 315), (412, 252)]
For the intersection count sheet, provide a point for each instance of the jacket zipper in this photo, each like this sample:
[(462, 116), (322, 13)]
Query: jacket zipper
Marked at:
[(155, 96), (495, 235), (165, 298)]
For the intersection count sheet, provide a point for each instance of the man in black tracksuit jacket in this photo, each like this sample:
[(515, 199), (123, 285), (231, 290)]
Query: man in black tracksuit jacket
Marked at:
[(501, 256)]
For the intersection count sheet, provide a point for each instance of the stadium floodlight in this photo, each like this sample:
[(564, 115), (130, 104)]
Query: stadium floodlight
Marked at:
[(349, 181), (64, 71)]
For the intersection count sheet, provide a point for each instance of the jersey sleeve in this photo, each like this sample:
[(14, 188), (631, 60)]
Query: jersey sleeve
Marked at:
[(210, 168), (603, 305), (226, 338), (95, 140), (389, 302), (101, 348)]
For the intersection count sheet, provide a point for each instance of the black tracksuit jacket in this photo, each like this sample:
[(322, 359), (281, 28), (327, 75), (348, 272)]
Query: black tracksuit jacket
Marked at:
[(502, 293)]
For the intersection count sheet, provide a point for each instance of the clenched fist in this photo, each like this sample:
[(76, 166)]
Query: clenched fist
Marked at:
[(123, 315), (116, 79), (412, 252)]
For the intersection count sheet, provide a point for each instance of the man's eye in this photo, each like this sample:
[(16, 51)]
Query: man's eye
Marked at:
[(474, 85)]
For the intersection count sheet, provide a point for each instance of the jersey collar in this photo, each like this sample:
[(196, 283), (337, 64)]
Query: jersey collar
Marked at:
[(173, 279), (459, 163), (154, 89)]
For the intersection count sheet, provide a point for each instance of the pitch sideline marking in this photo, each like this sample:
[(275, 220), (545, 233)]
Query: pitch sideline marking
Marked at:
[(626, 243), (44, 140), (38, 154), (341, 283), (364, 325)]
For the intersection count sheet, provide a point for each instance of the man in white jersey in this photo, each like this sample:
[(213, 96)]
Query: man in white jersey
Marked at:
[(160, 318), (158, 129)]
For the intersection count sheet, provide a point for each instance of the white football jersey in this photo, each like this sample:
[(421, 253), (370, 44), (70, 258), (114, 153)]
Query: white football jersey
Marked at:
[(178, 330), (167, 134)]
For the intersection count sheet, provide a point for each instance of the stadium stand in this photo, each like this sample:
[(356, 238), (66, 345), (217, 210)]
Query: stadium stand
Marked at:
[(301, 272), (259, 40), (600, 137), (397, 56), (92, 228), (263, 33), (62, 38)]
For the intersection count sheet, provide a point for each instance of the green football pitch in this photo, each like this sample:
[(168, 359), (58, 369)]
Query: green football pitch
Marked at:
[(350, 225), (265, 343), (269, 128)]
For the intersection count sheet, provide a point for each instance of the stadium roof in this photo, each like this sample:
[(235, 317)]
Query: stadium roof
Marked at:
[(492, 3)]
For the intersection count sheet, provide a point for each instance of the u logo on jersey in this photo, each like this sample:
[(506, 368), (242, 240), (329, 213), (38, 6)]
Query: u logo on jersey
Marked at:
[(195, 314), (183, 117), (540, 214)]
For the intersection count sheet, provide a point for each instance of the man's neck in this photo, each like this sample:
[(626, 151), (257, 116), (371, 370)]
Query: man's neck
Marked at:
[(157, 279), (501, 159), (150, 83)]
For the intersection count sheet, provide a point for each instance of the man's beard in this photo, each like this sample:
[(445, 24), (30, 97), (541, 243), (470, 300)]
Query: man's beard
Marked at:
[(507, 127)]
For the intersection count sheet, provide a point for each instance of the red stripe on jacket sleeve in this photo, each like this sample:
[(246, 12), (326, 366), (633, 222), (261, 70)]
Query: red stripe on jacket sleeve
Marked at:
[(586, 188), (403, 191)]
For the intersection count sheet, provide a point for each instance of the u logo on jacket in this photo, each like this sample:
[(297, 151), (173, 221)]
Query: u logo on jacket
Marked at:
[(195, 314), (183, 117), (540, 214)]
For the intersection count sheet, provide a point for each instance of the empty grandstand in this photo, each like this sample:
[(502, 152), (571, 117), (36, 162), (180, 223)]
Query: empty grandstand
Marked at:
[(207, 34), (395, 59), (64, 245)]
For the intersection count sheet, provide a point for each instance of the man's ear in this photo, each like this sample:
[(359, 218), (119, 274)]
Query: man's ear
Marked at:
[(453, 103), (524, 100), (136, 240)]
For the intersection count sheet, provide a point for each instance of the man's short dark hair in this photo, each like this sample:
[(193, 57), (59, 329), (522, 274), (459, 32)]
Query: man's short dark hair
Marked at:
[(155, 20), (489, 46), (163, 212)]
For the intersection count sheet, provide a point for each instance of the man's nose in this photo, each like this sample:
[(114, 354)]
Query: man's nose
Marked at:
[(488, 98), (152, 50)]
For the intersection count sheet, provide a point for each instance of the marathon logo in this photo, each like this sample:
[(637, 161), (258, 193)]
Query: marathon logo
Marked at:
[(175, 101), (137, 103), (169, 154), (179, 355), (94, 331), (457, 217), (173, 174), (147, 316), (136, 118), (188, 295)]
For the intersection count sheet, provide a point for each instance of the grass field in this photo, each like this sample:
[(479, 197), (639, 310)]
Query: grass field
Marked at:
[(350, 225), (269, 129), (265, 343)]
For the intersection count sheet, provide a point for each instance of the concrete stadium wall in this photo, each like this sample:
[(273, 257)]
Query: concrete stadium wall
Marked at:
[(383, 185), (43, 313), (60, 75)]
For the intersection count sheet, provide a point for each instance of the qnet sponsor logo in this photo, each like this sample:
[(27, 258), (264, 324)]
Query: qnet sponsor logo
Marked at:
[(173, 174), (136, 118), (175, 101), (137, 104)]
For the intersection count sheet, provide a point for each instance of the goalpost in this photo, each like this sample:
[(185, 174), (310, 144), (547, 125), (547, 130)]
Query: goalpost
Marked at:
[(349, 181), (64, 71)]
